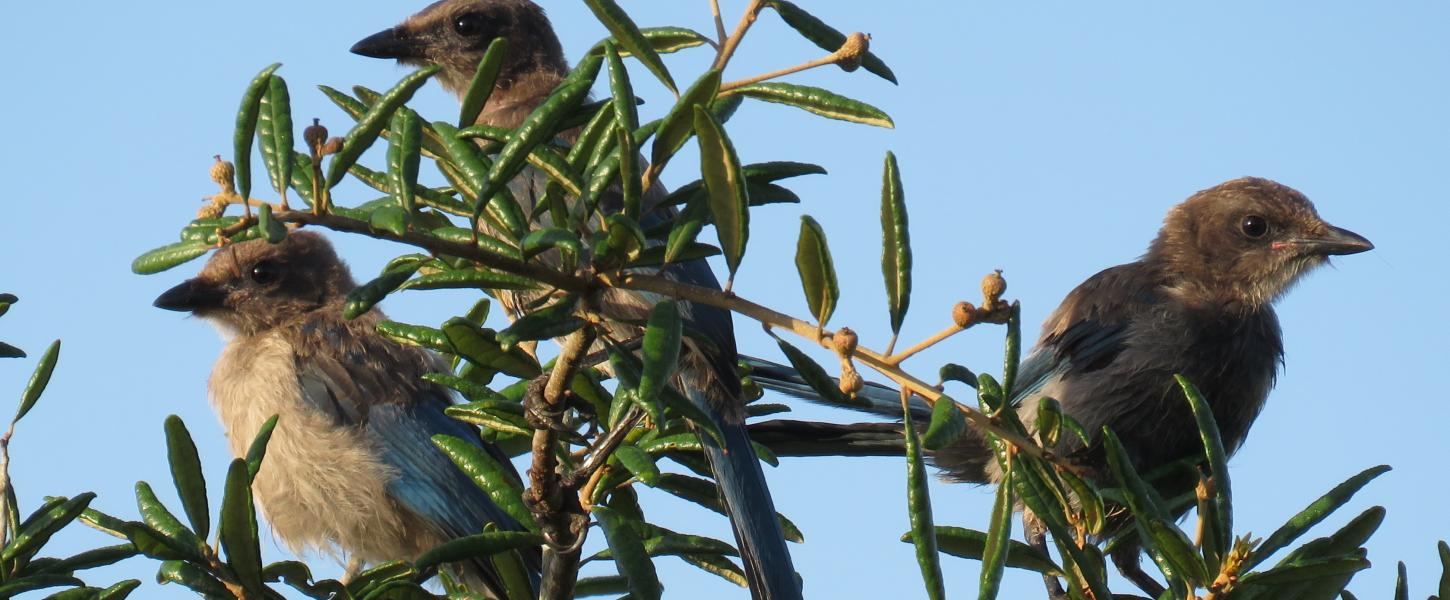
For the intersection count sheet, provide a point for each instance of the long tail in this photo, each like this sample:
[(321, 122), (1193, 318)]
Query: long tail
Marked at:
[(752, 513), (884, 401), (965, 460)]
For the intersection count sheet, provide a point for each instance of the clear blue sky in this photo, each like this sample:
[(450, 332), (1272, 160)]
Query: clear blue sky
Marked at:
[(1046, 140)]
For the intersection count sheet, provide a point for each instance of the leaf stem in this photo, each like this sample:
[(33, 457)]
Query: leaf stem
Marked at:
[(727, 50)]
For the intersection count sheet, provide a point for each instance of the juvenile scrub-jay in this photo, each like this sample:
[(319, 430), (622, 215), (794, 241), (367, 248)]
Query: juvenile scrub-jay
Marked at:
[(454, 34), (351, 467), (1199, 303)]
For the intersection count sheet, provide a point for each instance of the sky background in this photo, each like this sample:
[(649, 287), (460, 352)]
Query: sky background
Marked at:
[(1046, 140)]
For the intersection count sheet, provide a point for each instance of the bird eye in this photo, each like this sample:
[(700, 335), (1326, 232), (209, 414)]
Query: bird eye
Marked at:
[(266, 272), (1254, 226), (468, 25)]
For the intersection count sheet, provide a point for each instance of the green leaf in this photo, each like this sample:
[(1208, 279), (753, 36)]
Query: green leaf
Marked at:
[(1178, 550), (247, 126), (193, 578), (404, 152), (186, 474), (478, 546), (1313, 514), (1402, 587), (371, 123), (661, 354), (364, 297), (274, 130), (627, 119), (1213, 448), (704, 493), (679, 123), (119, 591), (817, 270), (1012, 355), (971, 544), (999, 536), (499, 482), (608, 585), (918, 502), (32, 535), (663, 40), (725, 185), (482, 84), (479, 346), (1308, 570), (639, 463), (469, 279), (629, 553), (540, 125), (817, 101), (687, 227), (656, 256), (896, 246), (629, 37), (238, 528), (267, 227), (258, 450), (553, 321), (15, 587), (826, 37), (8, 351), (1444, 550), (160, 522), (392, 219), (90, 559), (168, 256), (719, 566), (816, 376), (947, 424), (415, 335), (39, 379)]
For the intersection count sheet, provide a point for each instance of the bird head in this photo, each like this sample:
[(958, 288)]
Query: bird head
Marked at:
[(454, 34), (1244, 243), (253, 286)]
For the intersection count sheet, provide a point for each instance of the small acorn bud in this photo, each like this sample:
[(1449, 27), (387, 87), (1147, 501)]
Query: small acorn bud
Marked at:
[(851, 381), (849, 56), (993, 285), (844, 341), (315, 135), (963, 313), (333, 146), (222, 173)]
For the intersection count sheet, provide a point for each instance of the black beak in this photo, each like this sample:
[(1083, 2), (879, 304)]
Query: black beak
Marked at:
[(390, 43), (1335, 242), (191, 295)]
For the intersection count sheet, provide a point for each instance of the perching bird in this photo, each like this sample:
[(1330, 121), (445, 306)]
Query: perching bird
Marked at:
[(351, 467), (1198, 303), (454, 34)]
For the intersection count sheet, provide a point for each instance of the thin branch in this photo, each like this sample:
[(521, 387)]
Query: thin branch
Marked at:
[(941, 336), (727, 50), (829, 59), (719, 23)]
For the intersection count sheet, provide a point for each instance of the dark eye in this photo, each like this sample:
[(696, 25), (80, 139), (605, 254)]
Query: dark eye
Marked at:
[(266, 272), (1254, 226), (468, 25)]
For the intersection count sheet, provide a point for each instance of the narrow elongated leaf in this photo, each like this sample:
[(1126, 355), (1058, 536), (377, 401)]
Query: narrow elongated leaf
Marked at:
[(364, 297), (1306, 571), (186, 474), (1444, 551), (687, 227), (404, 152), (541, 124), (718, 566), (39, 379), (1178, 550), (258, 450), (817, 270), (160, 522), (630, 556), (274, 130), (629, 37), (895, 245), (31, 583), (725, 186), (679, 123), (639, 463), (1012, 354), (168, 256), (947, 424), (661, 354), (826, 37), (817, 101), (499, 483), (816, 376), (32, 535), (999, 534), (553, 321), (1402, 585), (269, 228), (247, 127), (480, 347), (663, 40), (704, 493), (193, 578), (628, 120), (483, 82), (478, 546), (238, 528), (372, 122), (607, 585), (918, 501), (1218, 466), (1313, 514), (90, 559), (971, 544)]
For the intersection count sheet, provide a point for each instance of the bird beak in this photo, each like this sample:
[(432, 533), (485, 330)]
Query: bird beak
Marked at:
[(190, 296), (1334, 242), (390, 43)]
